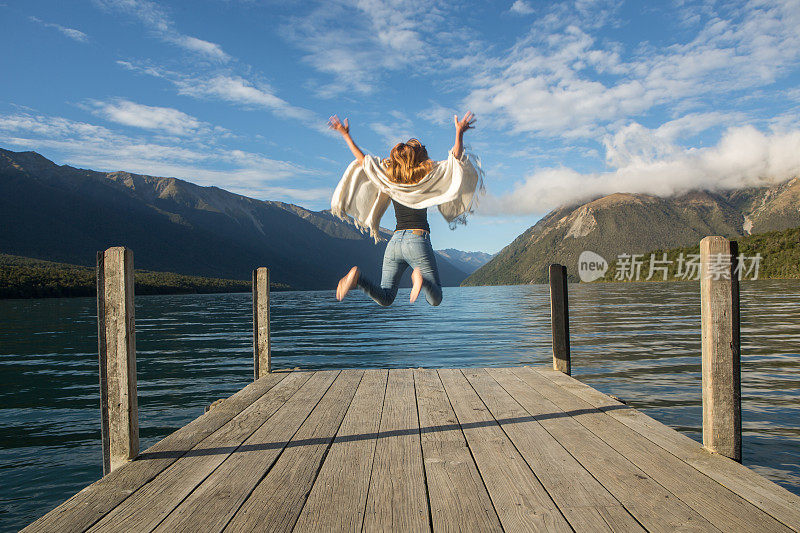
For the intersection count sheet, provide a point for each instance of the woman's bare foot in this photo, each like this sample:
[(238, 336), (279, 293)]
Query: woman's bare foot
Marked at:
[(346, 283), (416, 284)]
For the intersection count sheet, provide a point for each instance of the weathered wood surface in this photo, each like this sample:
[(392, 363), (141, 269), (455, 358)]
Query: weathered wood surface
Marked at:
[(396, 498), (719, 318), (559, 318), (458, 498), (262, 356), (514, 449), (116, 339), (339, 495)]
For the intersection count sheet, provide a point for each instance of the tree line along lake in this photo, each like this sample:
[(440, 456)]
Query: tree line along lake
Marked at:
[(637, 341)]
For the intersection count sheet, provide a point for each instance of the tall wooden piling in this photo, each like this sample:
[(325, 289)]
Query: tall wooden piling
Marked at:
[(119, 413), (719, 300), (559, 318), (262, 361)]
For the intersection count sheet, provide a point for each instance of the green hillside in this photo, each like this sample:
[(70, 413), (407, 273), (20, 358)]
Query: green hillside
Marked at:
[(779, 250), (21, 277)]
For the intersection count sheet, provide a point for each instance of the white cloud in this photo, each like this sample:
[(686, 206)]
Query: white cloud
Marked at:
[(240, 91), (438, 114), (648, 163), (72, 33), (142, 68), (521, 7), (561, 80), (635, 143), (161, 119), (398, 129), (793, 94), (51, 126), (359, 41), (193, 44), (540, 90), (158, 21), (233, 89), (98, 148)]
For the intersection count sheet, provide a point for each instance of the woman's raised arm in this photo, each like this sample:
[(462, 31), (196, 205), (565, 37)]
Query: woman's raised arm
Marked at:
[(344, 129), (462, 125)]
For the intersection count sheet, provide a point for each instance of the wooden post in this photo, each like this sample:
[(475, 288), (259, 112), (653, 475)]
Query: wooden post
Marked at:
[(116, 340), (559, 317), (262, 361), (719, 302)]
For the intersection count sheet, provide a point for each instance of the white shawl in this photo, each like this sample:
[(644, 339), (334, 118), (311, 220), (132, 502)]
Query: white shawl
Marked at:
[(365, 190)]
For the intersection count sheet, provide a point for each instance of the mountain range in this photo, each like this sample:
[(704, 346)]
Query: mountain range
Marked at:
[(65, 214), (636, 223), (468, 262)]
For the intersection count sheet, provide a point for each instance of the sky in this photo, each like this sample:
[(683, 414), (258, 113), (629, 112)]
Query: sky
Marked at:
[(573, 99)]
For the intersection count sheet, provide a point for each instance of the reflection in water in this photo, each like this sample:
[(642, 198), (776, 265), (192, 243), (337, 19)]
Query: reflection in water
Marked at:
[(640, 342)]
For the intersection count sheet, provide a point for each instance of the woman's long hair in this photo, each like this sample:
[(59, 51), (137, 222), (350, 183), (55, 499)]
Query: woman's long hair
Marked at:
[(408, 162)]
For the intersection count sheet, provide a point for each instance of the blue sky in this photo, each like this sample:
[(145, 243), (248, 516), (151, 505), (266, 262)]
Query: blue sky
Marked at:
[(574, 99)]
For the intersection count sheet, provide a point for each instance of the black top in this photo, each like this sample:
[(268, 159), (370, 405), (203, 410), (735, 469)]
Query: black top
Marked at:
[(408, 218)]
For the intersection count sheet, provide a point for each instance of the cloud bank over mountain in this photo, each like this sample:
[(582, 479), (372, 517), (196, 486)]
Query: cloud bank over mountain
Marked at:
[(648, 161)]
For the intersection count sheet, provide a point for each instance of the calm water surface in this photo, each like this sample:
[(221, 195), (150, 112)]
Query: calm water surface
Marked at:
[(640, 342)]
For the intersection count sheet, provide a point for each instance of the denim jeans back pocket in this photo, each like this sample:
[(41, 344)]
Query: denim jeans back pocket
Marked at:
[(417, 240)]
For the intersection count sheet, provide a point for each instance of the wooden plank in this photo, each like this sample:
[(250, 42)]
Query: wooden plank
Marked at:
[(654, 507), (262, 356), (714, 502), (148, 506), (117, 357), (559, 318), (217, 498), (89, 505), (585, 503), (397, 499), (339, 495), (279, 498), (719, 318), (458, 498), (520, 500), (758, 490)]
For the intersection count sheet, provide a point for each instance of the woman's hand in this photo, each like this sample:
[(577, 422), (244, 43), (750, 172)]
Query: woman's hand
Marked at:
[(466, 123), (335, 124), (344, 129)]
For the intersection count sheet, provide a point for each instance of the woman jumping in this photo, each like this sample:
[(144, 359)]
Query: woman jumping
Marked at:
[(412, 182)]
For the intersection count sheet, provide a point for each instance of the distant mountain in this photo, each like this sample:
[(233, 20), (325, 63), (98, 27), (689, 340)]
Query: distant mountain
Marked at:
[(468, 262), (66, 214), (637, 223)]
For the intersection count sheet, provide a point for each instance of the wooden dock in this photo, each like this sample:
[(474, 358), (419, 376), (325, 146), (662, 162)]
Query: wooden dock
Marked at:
[(495, 449)]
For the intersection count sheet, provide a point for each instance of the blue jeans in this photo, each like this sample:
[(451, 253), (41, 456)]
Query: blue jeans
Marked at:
[(405, 249)]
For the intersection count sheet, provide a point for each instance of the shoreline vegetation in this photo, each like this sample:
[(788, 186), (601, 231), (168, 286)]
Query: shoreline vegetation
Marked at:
[(779, 251), (23, 277)]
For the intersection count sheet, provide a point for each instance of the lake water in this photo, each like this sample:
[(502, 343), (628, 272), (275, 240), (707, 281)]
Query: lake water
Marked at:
[(640, 342)]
